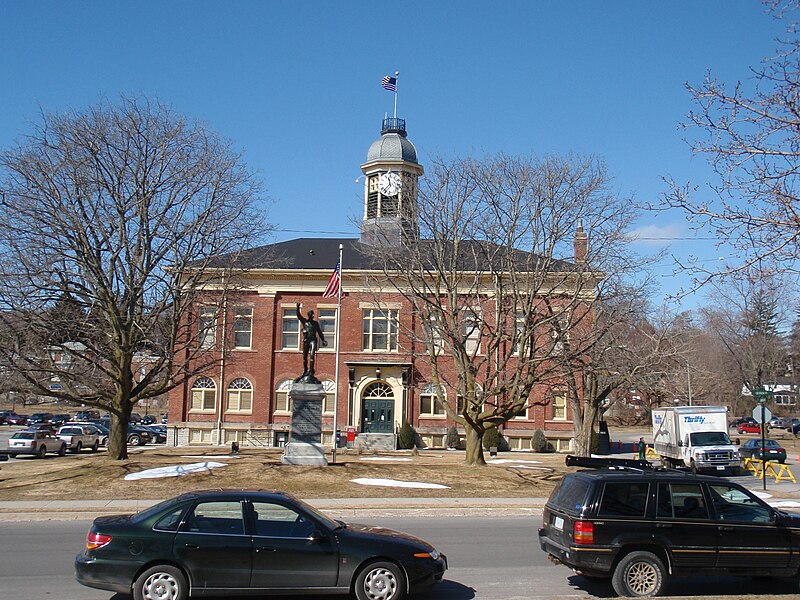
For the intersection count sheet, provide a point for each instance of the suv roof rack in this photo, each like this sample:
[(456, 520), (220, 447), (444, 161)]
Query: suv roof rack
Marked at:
[(592, 462)]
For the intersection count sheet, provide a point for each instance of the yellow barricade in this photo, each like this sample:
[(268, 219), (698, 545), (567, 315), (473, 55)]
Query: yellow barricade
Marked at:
[(763, 469)]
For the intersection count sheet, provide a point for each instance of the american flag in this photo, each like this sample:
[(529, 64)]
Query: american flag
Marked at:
[(389, 83), (334, 283)]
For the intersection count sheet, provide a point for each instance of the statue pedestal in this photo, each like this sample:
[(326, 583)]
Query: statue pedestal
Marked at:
[(305, 439)]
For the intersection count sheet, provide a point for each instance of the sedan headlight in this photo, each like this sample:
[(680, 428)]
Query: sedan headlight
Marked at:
[(432, 554)]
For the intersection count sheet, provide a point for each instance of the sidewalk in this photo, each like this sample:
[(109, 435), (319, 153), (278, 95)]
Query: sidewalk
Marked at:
[(67, 510)]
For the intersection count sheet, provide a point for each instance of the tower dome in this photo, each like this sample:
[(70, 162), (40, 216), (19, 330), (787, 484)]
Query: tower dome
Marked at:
[(393, 145)]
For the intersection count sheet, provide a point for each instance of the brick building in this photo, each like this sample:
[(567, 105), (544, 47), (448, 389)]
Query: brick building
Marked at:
[(382, 380)]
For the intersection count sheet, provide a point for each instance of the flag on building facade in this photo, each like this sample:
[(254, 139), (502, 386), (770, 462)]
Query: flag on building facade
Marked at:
[(389, 83), (332, 291)]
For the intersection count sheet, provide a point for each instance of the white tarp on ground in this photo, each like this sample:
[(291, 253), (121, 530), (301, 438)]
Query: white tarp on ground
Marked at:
[(395, 483), (175, 470)]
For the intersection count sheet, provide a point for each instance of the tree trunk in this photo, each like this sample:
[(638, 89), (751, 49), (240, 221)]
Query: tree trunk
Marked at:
[(118, 433), (474, 444)]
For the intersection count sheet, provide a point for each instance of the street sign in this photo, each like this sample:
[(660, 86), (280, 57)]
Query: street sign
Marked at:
[(757, 414), (762, 395)]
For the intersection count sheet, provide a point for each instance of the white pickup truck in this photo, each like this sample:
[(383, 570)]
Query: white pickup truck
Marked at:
[(77, 437)]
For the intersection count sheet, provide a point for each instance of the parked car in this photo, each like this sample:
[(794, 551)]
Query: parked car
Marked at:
[(639, 526), (286, 545), (772, 450), (736, 422), (60, 419), (78, 437), (102, 432), (748, 428), (147, 420), (15, 419), (40, 417), (135, 417), (159, 433), (137, 435), (793, 426), (5, 415), (35, 442), (48, 428), (87, 415)]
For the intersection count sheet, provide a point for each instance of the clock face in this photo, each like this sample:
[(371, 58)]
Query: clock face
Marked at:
[(389, 183)]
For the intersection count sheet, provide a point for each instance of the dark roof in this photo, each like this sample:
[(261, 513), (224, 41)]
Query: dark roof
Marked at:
[(323, 253)]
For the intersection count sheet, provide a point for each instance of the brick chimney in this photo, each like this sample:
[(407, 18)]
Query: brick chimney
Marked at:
[(581, 244)]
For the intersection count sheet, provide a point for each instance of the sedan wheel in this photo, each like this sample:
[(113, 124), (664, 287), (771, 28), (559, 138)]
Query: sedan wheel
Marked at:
[(380, 581), (638, 575), (135, 440), (161, 583)]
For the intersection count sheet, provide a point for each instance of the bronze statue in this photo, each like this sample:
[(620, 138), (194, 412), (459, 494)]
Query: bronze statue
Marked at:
[(311, 330)]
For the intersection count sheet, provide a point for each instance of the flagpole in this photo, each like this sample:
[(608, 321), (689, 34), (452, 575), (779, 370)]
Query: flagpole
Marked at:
[(338, 347), (397, 81)]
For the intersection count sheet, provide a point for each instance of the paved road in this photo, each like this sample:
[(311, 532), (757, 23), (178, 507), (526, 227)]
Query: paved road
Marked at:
[(490, 559)]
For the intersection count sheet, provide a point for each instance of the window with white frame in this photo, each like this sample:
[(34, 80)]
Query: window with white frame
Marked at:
[(327, 323), (379, 330), (522, 414), (560, 331), (430, 405), (522, 337), (471, 331), (290, 330), (330, 396), (432, 325), (207, 326), (243, 327), (283, 402), (204, 395), (785, 399), (240, 396), (559, 405)]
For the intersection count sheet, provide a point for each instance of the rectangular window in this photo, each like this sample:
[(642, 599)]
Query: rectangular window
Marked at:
[(327, 402), (522, 414), (430, 405), (560, 332), (559, 406), (290, 330), (240, 400), (283, 402), (681, 501), (433, 330), (327, 323), (471, 331), (624, 499), (379, 330), (203, 399), (243, 327), (206, 326)]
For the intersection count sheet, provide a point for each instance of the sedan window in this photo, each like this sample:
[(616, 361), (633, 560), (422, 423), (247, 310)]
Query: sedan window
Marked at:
[(216, 517), (275, 520), (732, 504)]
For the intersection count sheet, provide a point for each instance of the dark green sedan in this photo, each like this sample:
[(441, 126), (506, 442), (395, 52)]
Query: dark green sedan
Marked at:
[(772, 450), (246, 542)]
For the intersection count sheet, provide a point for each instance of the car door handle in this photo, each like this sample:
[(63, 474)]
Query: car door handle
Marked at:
[(724, 528), (192, 546), (664, 525), (266, 549)]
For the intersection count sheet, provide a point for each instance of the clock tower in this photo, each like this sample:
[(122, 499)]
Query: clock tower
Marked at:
[(390, 187)]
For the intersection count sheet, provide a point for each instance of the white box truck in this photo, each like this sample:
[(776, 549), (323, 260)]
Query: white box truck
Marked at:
[(695, 437)]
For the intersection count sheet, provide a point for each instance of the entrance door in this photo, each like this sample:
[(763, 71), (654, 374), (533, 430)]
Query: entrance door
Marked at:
[(378, 413)]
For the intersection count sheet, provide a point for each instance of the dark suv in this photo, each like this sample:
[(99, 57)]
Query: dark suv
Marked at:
[(638, 525)]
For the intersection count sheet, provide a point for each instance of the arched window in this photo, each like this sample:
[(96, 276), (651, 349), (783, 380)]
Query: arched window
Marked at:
[(378, 390), (240, 396), (430, 405), (283, 403), (204, 394)]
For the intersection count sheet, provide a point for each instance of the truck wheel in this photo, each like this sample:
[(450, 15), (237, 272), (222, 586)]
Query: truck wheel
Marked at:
[(62, 450), (42, 451), (639, 575), (161, 581), (95, 446), (78, 447)]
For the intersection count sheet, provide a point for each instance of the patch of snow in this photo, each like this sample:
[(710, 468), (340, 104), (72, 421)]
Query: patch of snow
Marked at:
[(175, 470), (395, 483), (386, 458), (214, 456), (502, 461), (761, 494), (786, 504)]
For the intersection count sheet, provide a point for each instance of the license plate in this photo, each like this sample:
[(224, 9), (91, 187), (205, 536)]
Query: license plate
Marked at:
[(558, 523), (720, 468)]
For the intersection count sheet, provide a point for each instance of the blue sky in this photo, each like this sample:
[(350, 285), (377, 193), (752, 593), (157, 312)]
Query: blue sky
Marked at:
[(296, 85)]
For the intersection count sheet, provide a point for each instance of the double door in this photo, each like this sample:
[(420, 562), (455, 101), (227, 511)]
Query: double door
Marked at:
[(378, 416)]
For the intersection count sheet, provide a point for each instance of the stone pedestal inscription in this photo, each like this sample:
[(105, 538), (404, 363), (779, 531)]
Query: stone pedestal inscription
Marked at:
[(305, 447)]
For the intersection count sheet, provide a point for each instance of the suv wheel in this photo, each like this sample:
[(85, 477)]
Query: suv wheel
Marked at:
[(638, 575)]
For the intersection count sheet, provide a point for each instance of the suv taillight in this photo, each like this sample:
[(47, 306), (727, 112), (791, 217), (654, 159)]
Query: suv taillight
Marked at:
[(96, 540), (583, 532)]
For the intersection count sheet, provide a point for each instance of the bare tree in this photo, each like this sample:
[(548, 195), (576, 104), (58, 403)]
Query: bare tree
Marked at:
[(492, 280), (109, 221), (750, 133)]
